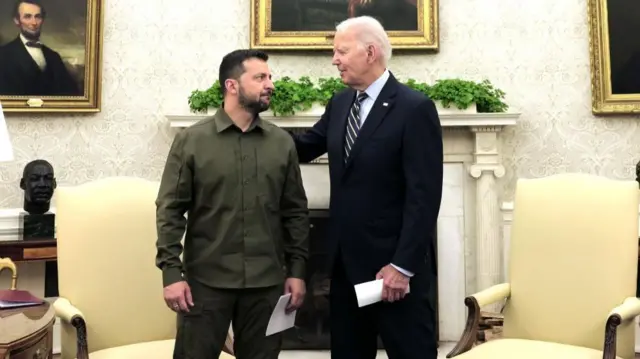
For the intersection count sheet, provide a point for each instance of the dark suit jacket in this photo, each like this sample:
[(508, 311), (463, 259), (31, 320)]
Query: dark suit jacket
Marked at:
[(385, 200), (21, 76)]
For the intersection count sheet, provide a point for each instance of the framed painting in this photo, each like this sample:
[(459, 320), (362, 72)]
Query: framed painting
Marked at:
[(615, 56), (310, 24), (51, 55)]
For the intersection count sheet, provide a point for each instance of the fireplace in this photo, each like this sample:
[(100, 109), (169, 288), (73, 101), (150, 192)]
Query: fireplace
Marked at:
[(311, 330)]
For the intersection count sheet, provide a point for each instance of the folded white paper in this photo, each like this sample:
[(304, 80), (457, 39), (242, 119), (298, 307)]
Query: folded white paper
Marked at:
[(280, 319), (370, 292)]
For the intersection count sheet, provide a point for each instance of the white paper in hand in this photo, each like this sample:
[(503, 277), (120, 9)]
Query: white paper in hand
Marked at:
[(280, 320), (370, 292)]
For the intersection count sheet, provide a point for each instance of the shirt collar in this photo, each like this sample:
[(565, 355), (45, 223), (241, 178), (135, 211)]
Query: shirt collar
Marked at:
[(376, 87), (25, 40), (223, 121)]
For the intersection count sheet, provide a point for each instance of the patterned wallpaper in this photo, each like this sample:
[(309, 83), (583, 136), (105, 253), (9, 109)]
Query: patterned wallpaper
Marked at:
[(157, 51)]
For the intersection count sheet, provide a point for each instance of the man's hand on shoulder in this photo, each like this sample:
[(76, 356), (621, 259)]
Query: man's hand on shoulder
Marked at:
[(178, 296), (298, 290), (395, 284)]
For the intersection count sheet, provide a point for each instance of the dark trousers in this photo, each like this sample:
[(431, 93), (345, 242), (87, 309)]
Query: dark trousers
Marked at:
[(203, 330), (406, 327)]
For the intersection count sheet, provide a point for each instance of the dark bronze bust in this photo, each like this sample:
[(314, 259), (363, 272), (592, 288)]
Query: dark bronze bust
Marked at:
[(38, 183)]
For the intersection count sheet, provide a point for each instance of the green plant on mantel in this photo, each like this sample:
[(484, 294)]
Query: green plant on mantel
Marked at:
[(293, 96), (463, 93), (201, 100)]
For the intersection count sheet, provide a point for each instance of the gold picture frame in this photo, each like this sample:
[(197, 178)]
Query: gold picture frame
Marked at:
[(78, 62), (424, 37), (614, 87)]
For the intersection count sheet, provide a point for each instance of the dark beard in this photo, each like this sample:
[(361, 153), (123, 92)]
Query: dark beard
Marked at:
[(252, 106), (30, 36)]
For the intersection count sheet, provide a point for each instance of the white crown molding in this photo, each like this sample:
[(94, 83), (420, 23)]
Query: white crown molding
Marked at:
[(480, 120)]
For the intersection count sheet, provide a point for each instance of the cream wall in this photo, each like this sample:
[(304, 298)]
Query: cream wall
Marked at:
[(157, 51)]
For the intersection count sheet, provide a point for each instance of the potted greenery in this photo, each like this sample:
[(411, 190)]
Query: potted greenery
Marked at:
[(291, 97), (462, 96), (302, 96), (206, 101)]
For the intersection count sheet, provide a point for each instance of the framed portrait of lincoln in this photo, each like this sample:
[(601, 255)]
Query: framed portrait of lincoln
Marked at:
[(310, 24), (50, 55)]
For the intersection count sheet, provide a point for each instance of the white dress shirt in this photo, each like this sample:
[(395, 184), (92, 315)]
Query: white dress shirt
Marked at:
[(373, 91), (35, 52)]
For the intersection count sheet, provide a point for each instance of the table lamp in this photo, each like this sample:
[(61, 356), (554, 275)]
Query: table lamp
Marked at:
[(6, 151)]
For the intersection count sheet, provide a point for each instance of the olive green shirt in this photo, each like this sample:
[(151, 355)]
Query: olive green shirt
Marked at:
[(247, 224)]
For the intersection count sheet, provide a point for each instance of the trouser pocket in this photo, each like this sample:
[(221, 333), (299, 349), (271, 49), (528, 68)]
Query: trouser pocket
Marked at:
[(201, 333)]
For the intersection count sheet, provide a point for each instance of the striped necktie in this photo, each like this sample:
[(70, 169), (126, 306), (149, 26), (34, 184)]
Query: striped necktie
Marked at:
[(353, 125)]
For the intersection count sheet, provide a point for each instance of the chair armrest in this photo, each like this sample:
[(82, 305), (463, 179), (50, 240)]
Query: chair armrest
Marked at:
[(474, 302), (629, 309), (72, 315), (66, 311)]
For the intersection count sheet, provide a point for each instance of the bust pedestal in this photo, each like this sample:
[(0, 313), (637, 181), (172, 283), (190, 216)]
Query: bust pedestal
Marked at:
[(37, 226)]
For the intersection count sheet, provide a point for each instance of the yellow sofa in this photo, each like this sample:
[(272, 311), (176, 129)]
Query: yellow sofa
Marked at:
[(111, 304)]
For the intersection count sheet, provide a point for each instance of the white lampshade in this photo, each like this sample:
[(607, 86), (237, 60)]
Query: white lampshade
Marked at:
[(6, 151)]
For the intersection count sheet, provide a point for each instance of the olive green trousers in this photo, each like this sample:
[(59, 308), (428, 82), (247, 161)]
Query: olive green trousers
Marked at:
[(202, 331)]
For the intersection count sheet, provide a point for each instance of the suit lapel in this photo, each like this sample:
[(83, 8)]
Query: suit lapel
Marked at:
[(381, 107), (23, 57)]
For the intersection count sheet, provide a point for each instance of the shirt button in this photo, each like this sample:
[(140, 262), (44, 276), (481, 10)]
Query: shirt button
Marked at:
[(245, 157)]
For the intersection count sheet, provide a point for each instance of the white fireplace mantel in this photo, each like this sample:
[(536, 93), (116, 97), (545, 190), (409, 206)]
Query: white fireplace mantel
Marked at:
[(308, 120)]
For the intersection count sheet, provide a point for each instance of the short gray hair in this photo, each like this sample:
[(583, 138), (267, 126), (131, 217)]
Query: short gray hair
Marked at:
[(370, 32)]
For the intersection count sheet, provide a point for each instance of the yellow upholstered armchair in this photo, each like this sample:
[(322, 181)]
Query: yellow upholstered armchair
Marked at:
[(111, 304), (572, 273)]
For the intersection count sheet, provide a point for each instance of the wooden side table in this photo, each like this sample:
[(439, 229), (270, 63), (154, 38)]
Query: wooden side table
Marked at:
[(27, 333), (29, 250)]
